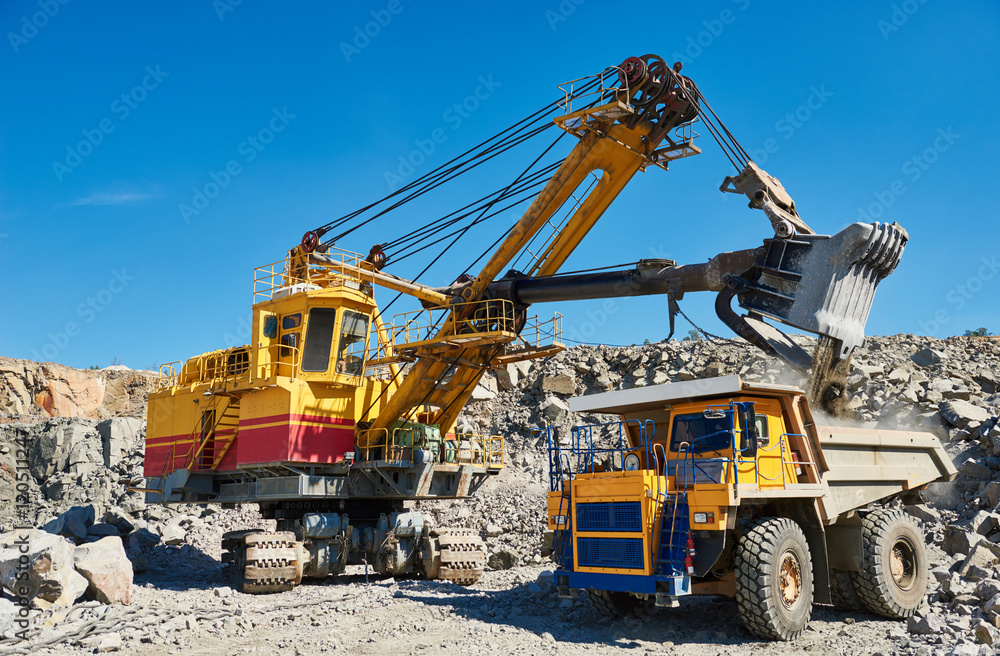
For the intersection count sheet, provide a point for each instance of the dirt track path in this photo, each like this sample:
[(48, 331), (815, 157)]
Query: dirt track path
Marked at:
[(506, 613)]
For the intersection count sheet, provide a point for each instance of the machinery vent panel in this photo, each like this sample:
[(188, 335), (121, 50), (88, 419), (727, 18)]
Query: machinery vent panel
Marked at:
[(617, 553), (625, 517)]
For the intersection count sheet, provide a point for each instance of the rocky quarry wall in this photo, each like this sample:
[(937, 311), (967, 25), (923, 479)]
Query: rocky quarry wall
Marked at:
[(84, 449)]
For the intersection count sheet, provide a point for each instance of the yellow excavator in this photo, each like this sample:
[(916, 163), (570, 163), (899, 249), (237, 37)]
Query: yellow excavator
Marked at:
[(334, 416)]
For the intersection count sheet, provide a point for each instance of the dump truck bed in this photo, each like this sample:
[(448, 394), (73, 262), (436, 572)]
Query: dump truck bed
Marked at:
[(862, 465)]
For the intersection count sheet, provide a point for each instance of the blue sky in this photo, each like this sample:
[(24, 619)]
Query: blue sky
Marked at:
[(114, 116)]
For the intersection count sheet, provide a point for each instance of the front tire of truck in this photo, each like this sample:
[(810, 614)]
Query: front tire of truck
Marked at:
[(774, 579), (893, 577)]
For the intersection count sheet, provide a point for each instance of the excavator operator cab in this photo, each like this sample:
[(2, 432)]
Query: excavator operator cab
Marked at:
[(316, 341)]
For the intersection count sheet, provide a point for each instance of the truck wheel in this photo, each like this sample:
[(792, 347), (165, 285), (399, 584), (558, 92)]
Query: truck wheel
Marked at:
[(845, 595), (774, 579), (619, 604), (893, 577)]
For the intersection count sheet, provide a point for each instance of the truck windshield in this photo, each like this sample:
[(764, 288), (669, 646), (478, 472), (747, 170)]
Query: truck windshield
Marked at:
[(702, 433)]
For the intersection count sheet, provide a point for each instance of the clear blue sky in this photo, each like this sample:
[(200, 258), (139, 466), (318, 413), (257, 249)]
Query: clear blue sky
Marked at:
[(92, 237)]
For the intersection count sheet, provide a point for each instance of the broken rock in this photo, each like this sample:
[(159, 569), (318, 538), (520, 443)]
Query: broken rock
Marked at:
[(962, 413), (50, 574), (73, 523), (107, 569)]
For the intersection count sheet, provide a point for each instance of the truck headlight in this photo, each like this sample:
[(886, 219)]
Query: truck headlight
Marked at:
[(631, 462), (704, 518)]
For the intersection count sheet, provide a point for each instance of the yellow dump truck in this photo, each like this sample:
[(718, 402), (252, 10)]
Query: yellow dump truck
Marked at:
[(726, 487)]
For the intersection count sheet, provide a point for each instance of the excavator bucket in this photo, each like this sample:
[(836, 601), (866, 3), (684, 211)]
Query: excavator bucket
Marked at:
[(818, 283)]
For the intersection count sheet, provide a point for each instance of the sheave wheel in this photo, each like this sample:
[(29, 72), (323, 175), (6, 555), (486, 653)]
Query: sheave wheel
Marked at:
[(893, 577), (774, 579)]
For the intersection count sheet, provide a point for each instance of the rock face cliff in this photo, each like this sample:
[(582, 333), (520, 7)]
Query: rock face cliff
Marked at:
[(33, 391)]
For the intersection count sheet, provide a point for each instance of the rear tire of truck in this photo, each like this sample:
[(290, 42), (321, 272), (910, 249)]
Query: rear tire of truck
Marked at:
[(893, 577), (774, 579), (617, 605), (842, 590)]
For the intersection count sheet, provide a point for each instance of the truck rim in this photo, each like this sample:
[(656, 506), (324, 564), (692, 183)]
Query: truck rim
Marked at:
[(790, 579), (902, 563)]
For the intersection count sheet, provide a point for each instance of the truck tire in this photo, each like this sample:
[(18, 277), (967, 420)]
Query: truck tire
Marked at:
[(617, 605), (774, 579), (845, 595), (893, 577)]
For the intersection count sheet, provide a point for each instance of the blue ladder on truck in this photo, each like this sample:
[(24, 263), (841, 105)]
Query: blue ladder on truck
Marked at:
[(674, 531)]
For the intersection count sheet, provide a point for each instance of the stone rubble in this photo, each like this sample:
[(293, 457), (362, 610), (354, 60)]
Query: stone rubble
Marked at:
[(81, 469)]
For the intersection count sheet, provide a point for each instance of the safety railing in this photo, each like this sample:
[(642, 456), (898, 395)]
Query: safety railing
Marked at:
[(540, 334), (470, 321), (403, 445), (612, 441), (609, 87), (295, 274), (784, 457), (168, 375)]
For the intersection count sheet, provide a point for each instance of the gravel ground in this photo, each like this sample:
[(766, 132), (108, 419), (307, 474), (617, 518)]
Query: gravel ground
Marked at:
[(508, 612)]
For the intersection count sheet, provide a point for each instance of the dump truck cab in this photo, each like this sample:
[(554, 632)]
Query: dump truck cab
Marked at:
[(668, 500)]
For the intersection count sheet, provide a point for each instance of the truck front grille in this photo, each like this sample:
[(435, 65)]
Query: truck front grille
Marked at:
[(625, 517), (618, 553)]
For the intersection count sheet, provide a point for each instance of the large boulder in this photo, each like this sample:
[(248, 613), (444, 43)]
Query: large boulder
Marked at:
[(554, 409), (73, 523), (559, 384), (47, 573), (960, 413), (927, 357), (119, 436), (107, 569)]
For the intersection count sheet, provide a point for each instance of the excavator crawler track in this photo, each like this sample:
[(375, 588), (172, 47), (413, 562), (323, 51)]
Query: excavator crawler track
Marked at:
[(462, 555), (261, 562)]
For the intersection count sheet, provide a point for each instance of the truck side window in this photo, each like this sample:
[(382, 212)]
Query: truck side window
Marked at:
[(763, 437), (351, 351), (702, 433), (319, 339), (291, 321)]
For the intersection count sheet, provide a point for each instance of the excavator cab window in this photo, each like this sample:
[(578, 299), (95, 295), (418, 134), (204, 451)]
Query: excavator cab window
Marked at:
[(290, 340), (319, 339), (270, 326), (351, 350)]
